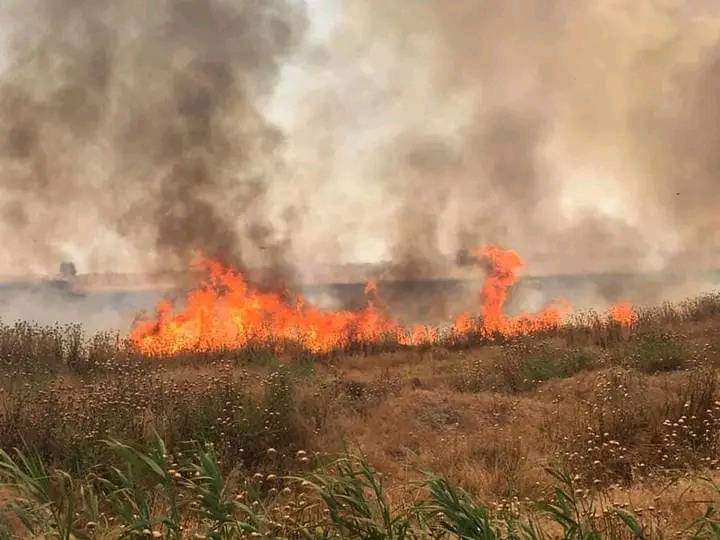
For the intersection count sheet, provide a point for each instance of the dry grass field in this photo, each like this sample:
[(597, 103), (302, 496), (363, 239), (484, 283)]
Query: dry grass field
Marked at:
[(592, 430)]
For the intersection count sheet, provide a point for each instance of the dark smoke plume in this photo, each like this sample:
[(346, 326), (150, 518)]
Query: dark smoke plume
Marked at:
[(132, 129)]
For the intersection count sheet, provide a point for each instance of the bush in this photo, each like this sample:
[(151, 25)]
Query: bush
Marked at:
[(65, 423), (624, 433), (655, 353), (526, 364)]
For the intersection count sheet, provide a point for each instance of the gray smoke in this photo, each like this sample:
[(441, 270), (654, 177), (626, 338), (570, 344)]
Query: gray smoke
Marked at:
[(133, 130), (584, 134)]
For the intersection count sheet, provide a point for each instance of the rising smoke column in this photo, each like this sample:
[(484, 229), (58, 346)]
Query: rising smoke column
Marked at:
[(132, 130)]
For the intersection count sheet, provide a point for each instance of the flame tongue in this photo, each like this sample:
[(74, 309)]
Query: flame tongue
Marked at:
[(504, 266), (226, 313)]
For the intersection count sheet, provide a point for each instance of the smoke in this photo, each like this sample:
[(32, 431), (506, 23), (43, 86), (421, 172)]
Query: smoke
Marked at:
[(132, 132), (584, 134)]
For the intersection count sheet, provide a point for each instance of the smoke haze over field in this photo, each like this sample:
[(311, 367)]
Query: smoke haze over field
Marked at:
[(584, 134), (570, 130)]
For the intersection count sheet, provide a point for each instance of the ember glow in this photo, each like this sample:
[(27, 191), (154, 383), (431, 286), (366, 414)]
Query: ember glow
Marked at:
[(226, 313)]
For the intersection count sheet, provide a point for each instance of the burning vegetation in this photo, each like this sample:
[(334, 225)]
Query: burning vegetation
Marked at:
[(227, 313)]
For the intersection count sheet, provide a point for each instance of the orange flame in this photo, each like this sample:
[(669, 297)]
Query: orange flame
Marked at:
[(504, 267), (623, 313), (226, 313)]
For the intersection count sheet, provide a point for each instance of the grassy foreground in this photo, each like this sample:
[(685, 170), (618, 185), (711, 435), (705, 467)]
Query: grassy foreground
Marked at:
[(590, 431), (160, 495)]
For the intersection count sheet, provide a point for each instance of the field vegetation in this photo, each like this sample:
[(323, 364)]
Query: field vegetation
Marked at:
[(591, 430)]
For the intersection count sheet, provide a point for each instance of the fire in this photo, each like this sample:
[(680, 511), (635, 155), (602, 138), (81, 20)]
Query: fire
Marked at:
[(226, 313), (504, 267), (463, 324), (623, 313)]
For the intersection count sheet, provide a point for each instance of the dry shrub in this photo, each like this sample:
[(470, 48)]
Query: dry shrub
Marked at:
[(654, 352), (703, 307), (65, 422), (503, 462), (689, 435), (628, 431), (603, 443), (28, 349), (522, 365), (590, 328)]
